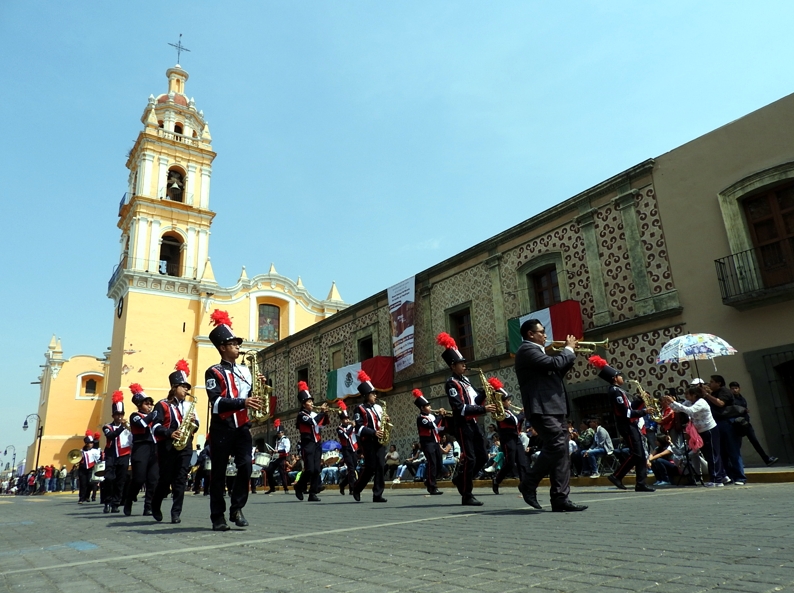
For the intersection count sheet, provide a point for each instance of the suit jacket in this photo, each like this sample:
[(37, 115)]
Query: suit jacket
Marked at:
[(540, 378)]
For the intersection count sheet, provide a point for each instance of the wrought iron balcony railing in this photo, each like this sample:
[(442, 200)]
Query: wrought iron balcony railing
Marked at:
[(758, 274)]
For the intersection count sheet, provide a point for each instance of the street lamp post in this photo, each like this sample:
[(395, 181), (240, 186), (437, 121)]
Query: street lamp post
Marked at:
[(13, 459), (40, 432)]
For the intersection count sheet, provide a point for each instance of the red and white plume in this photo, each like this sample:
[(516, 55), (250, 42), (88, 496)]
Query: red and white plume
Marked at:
[(183, 366), (97, 436), (417, 393), (118, 396), (219, 317), (363, 377), (302, 386), (341, 405), (445, 340), (89, 434), (597, 361), (495, 383), (277, 423), (136, 388)]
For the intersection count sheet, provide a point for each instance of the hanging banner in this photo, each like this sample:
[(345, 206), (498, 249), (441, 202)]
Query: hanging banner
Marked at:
[(401, 308)]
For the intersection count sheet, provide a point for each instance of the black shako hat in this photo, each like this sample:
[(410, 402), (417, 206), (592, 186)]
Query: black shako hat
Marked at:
[(605, 372), (451, 354), (180, 375), (303, 392), (419, 399), (222, 334)]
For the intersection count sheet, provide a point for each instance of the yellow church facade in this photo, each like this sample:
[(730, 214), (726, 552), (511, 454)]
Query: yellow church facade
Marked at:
[(164, 287)]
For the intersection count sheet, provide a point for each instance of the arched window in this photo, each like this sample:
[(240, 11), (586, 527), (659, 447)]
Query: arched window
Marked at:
[(90, 387), (178, 128), (170, 255), (268, 323), (175, 185)]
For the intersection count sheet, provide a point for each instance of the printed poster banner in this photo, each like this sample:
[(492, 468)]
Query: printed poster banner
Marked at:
[(401, 307)]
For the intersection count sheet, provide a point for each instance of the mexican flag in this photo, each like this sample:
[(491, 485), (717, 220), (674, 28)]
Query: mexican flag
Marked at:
[(560, 321), (344, 381)]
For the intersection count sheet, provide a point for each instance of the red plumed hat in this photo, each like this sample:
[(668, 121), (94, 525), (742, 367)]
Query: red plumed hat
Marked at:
[(365, 386), (597, 361), (180, 375), (222, 334), (419, 398), (495, 382), (218, 317), (303, 392), (182, 365), (606, 372), (97, 436), (342, 408), (117, 406), (117, 397), (136, 388), (451, 354), (277, 424)]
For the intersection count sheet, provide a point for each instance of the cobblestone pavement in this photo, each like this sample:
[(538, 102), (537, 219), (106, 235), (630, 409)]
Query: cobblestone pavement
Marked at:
[(685, 539)]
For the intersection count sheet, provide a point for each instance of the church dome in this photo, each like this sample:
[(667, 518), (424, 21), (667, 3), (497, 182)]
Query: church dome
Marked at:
[(179, 99)]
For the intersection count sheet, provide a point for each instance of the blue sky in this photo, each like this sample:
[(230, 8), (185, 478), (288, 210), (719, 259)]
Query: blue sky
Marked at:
[(358, 142)]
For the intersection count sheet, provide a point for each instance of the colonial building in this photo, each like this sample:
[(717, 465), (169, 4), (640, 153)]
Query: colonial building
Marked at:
[(700, 239), (163, 287)]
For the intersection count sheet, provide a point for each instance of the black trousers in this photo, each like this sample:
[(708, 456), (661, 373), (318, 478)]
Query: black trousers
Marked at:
[(145, 471), (228, 442), (349, 457), (553, 460), (515, 456), (84, 480), (749, 432), (174, 468), (201, 477), (374, 468), (632, 437), (115, 480), (312, 454), (472, 456), (278, 464), (432, 451)]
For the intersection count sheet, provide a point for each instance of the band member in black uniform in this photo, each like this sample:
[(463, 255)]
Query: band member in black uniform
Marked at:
[(308, 423), (279, 461), (369, 418), (509, 430), (346, 434), (228, 388), (430, 428), (86, 465), (117, 454), (540, 377), (99, 457), (627, 416), (145, 469), (466, 404), (168, 426)]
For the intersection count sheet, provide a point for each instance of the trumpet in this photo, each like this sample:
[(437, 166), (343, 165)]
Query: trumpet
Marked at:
[(582, 347), (440, 411), (516, 409)]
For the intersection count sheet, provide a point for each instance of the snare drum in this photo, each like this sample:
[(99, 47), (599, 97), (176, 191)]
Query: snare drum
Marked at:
[(98, 474), (330, 458), (262, 459), (231, 470)]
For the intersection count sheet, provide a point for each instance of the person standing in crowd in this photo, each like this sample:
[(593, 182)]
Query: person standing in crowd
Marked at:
[(743, 427), (145, 470), (118, 445), (228, 388), (98, 454), (346, 433), (540, 378), (90, 456), (466, 405), (724, 412), (430, 428), (279, 461), (172, 418), (370, 420), (515, 458), (308, 423), (627, 416), (699, 411)]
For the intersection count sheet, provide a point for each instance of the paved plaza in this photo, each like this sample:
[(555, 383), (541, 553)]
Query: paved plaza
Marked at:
[(681, 539)]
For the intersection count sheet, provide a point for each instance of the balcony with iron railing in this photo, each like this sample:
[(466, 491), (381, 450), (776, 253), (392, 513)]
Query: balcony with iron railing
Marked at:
[(158, 266), (758, 276)]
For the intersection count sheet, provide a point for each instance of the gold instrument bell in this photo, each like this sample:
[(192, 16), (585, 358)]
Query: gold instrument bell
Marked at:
[(74, 456)]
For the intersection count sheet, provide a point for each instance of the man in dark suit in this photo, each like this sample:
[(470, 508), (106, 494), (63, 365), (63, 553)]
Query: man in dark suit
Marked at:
[(540, 378)]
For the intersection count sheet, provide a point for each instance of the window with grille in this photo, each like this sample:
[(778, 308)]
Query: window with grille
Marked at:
[(461, 330)]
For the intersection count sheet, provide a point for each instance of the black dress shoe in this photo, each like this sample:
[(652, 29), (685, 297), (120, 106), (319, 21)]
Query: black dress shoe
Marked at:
[(238, 519), (378, 499), (470, 501), (495, 487), (644, 488), (157, 515), (175, 519), (128, 509), (356, 496), (567, 507), (220, 526), (147, 512), (298, 494), (313, 498), (435, 492), (106, 508), (342, 490), (114, 509), (616, 481), (530, 496), (271, 491)]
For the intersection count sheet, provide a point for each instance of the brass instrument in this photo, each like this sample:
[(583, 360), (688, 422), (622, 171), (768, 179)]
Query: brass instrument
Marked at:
[(581, 347), (491, 398), (516, 409), (74, 456), (188, 427), (259, 390), (651, 404), (440, 411), (386, 426)]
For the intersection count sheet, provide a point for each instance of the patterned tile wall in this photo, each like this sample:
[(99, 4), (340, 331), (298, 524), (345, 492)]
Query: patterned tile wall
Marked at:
[(653, 243)]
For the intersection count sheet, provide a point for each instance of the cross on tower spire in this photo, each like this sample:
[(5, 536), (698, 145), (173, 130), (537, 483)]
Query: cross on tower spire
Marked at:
[(179, 48)]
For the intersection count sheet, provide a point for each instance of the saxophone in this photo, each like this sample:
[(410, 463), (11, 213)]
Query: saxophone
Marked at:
[(651, 406), (259, 390), (188, 427), (386, 426), (491, 398)]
